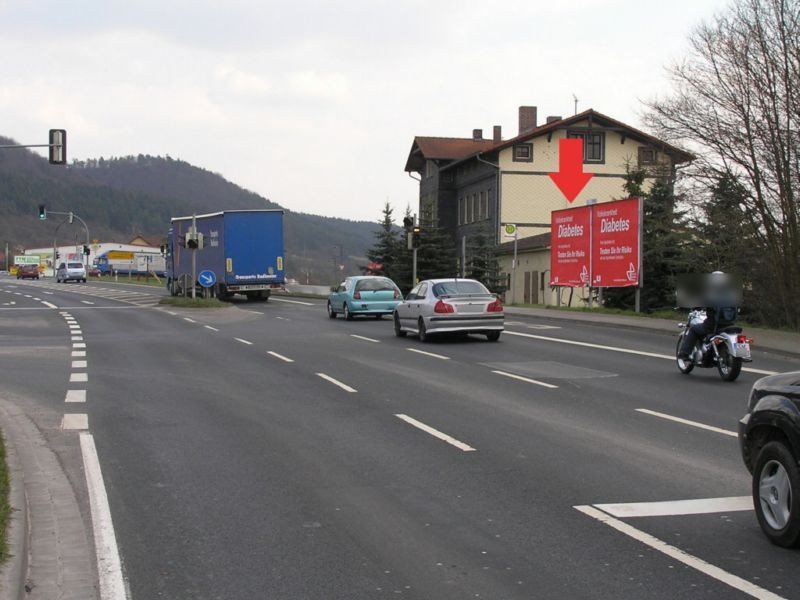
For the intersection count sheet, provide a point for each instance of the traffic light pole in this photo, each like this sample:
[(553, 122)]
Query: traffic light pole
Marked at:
[(194, 260), (85, 227)]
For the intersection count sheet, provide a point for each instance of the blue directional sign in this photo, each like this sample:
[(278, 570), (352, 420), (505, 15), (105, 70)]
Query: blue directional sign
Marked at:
[(207, 278)]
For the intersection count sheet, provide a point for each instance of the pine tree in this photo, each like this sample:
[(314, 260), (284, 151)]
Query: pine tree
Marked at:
[(436, 256), (384, 251), (482, 263)]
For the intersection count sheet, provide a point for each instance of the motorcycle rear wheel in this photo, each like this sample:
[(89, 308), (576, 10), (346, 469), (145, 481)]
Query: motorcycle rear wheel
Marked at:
[(684, 366), (728, 366)]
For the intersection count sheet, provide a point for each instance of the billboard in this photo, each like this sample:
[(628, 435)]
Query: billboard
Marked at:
[(597, 245), (570, 251), (615, 243)]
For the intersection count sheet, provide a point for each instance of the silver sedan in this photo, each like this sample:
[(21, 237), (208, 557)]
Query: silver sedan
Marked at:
[(449, 306)]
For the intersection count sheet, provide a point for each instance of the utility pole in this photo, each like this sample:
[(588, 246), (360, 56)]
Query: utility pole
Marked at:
[(194, 259)]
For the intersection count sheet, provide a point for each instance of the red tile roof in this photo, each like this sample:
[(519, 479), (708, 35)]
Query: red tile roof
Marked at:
[(443, 148)]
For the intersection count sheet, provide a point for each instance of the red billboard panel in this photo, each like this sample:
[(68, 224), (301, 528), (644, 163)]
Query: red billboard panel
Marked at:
[(615, 243), (570, 255)]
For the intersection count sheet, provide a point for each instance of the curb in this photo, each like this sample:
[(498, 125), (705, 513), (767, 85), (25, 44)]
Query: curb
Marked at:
[(15, 570), (778, 342)]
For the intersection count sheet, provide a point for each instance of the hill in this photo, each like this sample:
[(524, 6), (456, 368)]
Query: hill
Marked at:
[(137, 195)]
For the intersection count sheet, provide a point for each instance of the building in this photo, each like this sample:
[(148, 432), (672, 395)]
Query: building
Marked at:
[(471, 185)]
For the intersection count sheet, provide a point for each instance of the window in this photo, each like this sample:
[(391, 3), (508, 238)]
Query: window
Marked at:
[(523, 153), (470, 208), (485, 204), (594, 145), (429, 168), (461, 210), (422, 291), (647, 156), (488, 204), (481, 214)]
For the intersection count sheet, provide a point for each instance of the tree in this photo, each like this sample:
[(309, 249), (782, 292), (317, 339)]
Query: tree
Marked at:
[(736, 100), (385, 250), (666, 245), (482, 263)]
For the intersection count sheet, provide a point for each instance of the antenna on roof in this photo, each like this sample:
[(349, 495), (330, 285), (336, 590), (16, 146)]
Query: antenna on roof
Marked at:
[(575, 98)]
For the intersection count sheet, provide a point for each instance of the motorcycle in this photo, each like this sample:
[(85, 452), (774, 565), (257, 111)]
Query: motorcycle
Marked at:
[(725, 349)]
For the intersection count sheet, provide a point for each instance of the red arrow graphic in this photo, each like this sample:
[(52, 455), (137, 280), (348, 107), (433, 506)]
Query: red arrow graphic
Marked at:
[(570, 178)]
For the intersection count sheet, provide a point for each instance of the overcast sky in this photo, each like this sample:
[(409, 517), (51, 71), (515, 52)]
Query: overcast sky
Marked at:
[(314, 104)]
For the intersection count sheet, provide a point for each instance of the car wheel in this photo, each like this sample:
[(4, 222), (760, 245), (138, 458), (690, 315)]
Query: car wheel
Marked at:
[(423, 332), (493, 336), (347, 314), (398, 330), (776, 494), (728, 366), (684, 366), (331, 312)]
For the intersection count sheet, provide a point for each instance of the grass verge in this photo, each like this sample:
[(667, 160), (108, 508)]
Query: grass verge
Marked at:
[(182, 302), (5, 509)]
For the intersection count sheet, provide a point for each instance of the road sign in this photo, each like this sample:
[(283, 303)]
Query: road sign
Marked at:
[(207, 278), (510, 230)]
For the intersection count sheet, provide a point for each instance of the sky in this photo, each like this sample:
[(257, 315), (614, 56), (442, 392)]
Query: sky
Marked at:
[(315, 104)]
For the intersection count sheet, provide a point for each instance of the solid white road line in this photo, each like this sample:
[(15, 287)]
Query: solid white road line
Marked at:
[(439, 356), (436, 433), (366, 339), (79, 364), (210, 327), (187, 319), (75, 421), (336, 382), (243, 341), (78, 377), (75, 396), (699, 506), (109, 566), (677, 554), (49, 305), (291, 301), (617, 349), (526, 379), (687, 422), (78, 353), (280, 356)]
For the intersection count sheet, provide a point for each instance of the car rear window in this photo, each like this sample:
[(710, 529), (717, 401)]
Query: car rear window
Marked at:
[(74, 265), (375, 285), (459, 288)]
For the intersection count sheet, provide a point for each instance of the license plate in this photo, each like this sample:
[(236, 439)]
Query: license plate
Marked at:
[(741, 350)]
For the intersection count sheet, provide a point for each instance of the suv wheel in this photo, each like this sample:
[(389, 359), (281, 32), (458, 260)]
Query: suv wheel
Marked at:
[(776, 494)]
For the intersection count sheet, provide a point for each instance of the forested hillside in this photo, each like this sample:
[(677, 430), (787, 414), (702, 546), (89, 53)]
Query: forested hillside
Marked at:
[(123, 197)]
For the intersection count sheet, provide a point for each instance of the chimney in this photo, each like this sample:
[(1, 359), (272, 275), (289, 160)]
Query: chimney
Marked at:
[(477, 135), (497, 134), (527, 119), (553, 119)]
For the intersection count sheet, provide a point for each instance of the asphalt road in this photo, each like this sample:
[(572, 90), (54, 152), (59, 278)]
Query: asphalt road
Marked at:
[(265, 451)]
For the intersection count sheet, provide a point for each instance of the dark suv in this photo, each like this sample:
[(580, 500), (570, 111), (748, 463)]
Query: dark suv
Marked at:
[(28, 272), (769, 435)]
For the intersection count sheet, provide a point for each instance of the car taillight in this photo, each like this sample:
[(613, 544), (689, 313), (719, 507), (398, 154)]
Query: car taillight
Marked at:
[(443, 307), (496, 306), (357, 296)]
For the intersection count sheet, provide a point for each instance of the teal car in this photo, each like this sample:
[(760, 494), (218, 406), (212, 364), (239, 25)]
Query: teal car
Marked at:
[(364, 295)]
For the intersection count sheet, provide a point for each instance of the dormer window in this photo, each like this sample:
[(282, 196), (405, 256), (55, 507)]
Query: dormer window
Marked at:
[(523, 153), (647, 156)]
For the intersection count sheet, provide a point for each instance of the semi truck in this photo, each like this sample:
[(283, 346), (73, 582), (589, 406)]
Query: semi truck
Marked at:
[(241, 253), (124, 262)]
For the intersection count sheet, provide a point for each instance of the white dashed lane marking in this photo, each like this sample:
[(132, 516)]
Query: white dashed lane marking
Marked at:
[(280, 356), (75, 396), (79, 364), (78, 377), (366, 339), (653, 413), (431, 354), (210, 327), (75, 421), (526, 379), (243, 341), (436, 433), (338, 383)]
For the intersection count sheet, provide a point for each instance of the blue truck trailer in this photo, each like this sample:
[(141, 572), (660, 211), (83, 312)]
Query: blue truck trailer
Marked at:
[(243, 249)]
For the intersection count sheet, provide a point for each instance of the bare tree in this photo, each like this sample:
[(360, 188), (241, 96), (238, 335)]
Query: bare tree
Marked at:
[(736, 103)]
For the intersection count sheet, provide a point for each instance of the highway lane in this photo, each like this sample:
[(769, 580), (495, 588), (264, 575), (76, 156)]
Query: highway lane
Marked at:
[(233, 473)]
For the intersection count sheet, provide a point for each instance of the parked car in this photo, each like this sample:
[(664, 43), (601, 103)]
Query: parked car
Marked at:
[(94, 271), (74, 271), (28, 272), (449, 306), (364, 295), (769, 436)]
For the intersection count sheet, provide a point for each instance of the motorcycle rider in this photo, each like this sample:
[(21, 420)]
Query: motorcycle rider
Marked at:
[(721, 311)]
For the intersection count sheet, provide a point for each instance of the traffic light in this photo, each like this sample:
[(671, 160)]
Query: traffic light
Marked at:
[(408, 223), (86, 250), (414, 238), (58, 147), (191, 241), (58, 255), (42, 212)]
